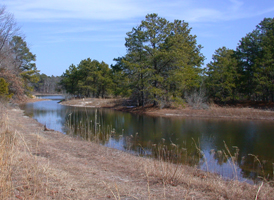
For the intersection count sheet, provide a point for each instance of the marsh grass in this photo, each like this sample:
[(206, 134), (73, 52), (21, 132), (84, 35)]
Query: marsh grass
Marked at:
[(7, 142), (6, 156), (240, 113), (250, 165), (170, 161), (194, 180), (20, 175), (169, 171), (88, 129), (259, 169)]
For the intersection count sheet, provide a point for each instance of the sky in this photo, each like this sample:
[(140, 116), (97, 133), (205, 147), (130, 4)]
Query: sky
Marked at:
[(64, 32)]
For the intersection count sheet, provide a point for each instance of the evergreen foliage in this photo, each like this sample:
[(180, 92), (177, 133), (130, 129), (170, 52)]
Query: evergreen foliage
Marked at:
[(24, 62), (248, 72), (90, 79), (222, 75), (256, 62), (4, 90), (163, 60), (163, 64), (17, 67), (120, 78)]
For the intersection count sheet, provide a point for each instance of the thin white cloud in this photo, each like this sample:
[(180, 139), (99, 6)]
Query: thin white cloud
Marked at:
[(92, 17), (190, 11), (95, 37), (223, 11), (236, 5), (202, 14), (73, 9)]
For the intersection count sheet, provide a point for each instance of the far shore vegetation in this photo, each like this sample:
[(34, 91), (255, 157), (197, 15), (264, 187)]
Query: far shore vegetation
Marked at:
[(163, 65)]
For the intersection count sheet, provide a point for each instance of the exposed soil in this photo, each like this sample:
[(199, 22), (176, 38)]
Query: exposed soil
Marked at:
[(242, 110), (71, 168)]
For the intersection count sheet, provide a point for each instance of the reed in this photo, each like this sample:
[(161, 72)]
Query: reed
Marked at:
[(88, 129), (171, 159), (6, 152), (20, 175), (7, 142), (169, 163)]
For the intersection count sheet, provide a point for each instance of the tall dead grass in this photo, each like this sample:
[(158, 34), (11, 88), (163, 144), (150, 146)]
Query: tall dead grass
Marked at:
[(167, 173), (6, 152), (20, 175), (240, 113), (84, 127)]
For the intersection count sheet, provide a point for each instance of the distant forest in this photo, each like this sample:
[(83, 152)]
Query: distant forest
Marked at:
[(163, 65), (47, 84)]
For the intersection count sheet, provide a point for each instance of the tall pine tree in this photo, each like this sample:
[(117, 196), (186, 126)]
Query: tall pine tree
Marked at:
[(163, 59)]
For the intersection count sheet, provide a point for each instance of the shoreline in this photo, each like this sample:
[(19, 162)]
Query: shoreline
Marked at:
[(213, 111), (78, 169)]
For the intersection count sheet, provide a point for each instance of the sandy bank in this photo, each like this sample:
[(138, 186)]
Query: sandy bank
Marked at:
[(213, 111)]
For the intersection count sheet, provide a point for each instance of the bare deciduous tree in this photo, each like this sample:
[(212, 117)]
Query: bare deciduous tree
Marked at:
[(8, 29)]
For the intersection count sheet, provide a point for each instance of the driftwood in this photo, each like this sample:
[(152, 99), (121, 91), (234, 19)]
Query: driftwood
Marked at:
[(47, 129)]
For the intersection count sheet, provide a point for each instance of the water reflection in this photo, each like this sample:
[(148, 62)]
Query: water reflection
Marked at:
[(194, 137)]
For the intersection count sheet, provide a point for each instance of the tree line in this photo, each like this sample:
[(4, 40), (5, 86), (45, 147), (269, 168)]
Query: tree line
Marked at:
[(163, 64), (163, 61), (246, 73), (47, 84)]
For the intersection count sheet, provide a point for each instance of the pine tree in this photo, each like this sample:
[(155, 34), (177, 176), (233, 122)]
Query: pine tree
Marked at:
[(222, 75), (4, 89), (256, 56), (163, 59)]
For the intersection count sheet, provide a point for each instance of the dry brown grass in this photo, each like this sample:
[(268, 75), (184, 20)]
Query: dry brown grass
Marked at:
[(6, 151), (215, 112), (199, 184), (49, 165), (241, 113), (168, 171), (21, 176)]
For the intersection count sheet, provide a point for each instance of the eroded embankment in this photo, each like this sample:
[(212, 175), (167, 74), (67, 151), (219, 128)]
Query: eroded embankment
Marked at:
[(49, 164)]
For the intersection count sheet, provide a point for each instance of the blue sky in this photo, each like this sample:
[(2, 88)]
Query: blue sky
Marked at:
[(64, 32)]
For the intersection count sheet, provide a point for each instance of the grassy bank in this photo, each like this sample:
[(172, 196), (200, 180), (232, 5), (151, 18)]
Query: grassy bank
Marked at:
[(22, 177), (38, 164)]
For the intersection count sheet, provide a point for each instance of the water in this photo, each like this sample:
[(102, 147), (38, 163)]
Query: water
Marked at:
[(203, 140)]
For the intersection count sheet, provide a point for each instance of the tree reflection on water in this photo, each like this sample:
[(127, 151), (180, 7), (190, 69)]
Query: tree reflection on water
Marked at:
[(246, 153)]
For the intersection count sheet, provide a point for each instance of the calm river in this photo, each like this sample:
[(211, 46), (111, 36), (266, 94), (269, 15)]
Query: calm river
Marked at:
[(202, 142)]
